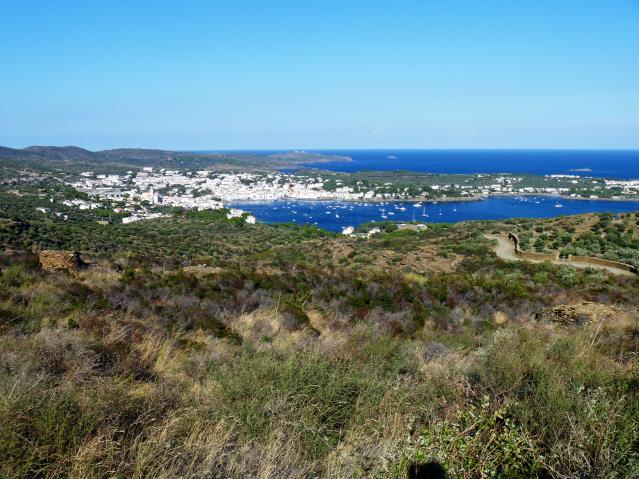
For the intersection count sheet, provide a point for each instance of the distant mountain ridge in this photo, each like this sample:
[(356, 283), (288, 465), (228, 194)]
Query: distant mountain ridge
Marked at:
[(75, 153), (61, 153), (62, 157), (76, 159)]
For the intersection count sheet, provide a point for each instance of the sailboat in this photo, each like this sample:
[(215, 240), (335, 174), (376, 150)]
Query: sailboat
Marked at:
[(424, 213), (384, 213)]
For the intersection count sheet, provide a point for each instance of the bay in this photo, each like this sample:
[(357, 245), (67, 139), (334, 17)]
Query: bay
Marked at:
[(336, 215)]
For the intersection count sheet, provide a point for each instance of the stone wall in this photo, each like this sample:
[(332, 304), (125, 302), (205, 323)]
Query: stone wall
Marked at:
[(515, 239), (580, 313), (51, 260), (603, 262)]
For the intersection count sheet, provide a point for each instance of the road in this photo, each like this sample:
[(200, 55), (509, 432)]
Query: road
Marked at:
[(505, 249)]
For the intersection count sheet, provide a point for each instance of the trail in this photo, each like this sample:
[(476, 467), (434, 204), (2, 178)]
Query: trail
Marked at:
[(505, 249)]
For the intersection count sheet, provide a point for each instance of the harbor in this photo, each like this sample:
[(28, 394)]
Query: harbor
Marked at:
[(338, 215)]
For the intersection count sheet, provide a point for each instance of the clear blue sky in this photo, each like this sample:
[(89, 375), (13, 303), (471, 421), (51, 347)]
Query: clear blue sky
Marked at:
[(320, 74)]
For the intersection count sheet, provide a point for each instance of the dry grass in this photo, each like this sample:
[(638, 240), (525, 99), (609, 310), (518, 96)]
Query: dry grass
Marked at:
[(231, 374)]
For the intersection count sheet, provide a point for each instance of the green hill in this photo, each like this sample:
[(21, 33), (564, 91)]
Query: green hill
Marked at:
[(196, 346)]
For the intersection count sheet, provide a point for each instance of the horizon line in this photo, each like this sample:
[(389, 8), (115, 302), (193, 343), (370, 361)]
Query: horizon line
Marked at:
[(307, 149)]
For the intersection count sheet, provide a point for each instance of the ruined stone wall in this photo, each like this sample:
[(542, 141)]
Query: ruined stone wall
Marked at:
[(56, 259), (515, 239), (580, 313)]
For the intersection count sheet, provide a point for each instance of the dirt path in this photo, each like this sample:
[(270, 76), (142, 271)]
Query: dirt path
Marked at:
[(505, 249)]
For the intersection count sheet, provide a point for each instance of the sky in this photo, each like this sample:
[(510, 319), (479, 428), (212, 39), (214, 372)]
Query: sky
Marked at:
[(320, 74)]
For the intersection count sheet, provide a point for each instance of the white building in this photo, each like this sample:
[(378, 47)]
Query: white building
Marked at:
[(234, 213), (373, 231)]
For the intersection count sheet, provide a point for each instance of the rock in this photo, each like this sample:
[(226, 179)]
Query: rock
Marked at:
[(52, 260)]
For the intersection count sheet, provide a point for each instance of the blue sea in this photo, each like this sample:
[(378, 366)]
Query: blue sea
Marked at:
[(620, 164), (617, 164), (336, 215)]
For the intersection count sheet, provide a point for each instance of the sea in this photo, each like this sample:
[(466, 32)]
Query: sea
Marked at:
[(618, 164), (336, 215)]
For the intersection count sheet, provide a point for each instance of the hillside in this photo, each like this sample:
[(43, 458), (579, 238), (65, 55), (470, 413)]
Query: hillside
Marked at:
[(72, 158), (609, 236), (196, 346)]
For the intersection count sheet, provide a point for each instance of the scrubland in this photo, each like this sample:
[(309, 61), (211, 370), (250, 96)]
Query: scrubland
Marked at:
[(283, 352)]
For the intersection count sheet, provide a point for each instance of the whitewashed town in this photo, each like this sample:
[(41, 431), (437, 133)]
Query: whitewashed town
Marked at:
[(200, 190), (140, 191)]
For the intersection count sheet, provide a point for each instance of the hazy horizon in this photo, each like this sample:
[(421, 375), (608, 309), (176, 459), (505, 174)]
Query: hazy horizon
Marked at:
[(309, 149)]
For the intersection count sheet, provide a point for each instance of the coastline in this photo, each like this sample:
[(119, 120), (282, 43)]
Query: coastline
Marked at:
[(446, 199), (548, 195), (464, 199)]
